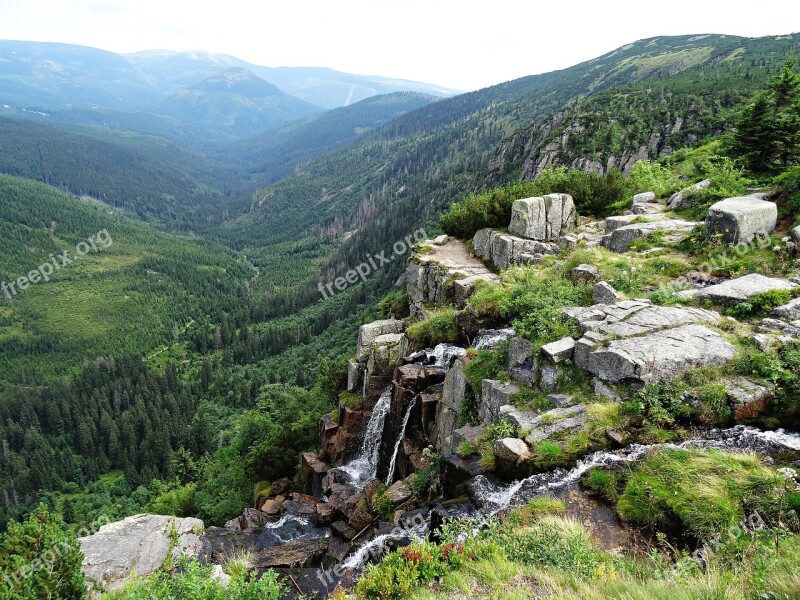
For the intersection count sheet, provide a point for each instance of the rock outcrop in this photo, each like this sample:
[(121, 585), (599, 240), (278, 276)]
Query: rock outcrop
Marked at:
[(621, 238), (139, 545), (544, 219), (683, 198), (738, 290), (504, 250), (742, 219)]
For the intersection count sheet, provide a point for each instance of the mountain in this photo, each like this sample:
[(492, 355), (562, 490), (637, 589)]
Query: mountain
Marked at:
[(219, 94), (236, 102), (407, 172), (317, 85)]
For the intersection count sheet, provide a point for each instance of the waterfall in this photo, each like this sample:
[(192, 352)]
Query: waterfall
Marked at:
[(443, 355), (365, 465), (488, 339), (390, 474), (377, 546)]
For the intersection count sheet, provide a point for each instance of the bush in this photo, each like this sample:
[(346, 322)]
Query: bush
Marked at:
[(487, 209), (652, 177), (440, 327), (727, 181)]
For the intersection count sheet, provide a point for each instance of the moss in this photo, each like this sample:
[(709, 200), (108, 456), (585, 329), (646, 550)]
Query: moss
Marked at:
[(438, 328)]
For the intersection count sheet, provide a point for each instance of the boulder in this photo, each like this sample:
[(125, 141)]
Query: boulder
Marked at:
[(520, 419), (138, 546), (747, 398), (272, 506), (521, 362), (556, 421), (290, 555), (561, 400), (543, 219), (441, 240), (661, 355), (511, 451), (738, 290), (604, 293), (467, 433), (312, 472), (456, 471), (584, 274), (343, 531), (647, 208), (742, 219), (494, 394), (387, 350), (644, 197), (504, 250), (683, 198), (250, 519), (621, 238), (399, 493), (790, 311), (795, 234), (367, 334), (560, 350), (617, 221), (548, 376)]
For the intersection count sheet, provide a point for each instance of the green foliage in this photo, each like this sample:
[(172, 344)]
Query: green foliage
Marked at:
[(768, 129), (382, 504), (701, 492), (38, 559), (651, 177), (605, 482), (426, 482), (394, 304), (727, 181), (193, 580), (659, 403), (485, 364), (593, 193), (439, 327), (762, 303), (712, 399), (487, 209)]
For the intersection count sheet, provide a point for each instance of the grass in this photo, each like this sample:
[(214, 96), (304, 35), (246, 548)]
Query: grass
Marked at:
[(438, 328)]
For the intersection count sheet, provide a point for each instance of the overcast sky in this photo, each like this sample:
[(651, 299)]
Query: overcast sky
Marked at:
[(462, 44)]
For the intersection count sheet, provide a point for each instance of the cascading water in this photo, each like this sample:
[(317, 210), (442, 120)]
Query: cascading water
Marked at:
[(378, 546), (488, 339), (443, 355), (365, 465), (400, 436)]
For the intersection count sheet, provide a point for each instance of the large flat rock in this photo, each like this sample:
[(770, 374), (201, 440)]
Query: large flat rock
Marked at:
[(556, 421), (661, 355), (621, 238), (741, 219), (738, 290), (139, 545), (617, 221)]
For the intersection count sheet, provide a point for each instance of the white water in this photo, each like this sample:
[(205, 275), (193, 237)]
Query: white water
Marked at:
[(377, 546), (443, 355), (365, 465), (487, 339), (400, 436)]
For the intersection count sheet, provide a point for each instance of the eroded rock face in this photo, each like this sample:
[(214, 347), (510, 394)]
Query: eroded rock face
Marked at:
[(790, 311), (621, 238), (661, 355), (543, 218), (139, 544), (494, 394), (368, 333), (290, 555), (742, 219), (453, 393), (738, 290), (556, 421)]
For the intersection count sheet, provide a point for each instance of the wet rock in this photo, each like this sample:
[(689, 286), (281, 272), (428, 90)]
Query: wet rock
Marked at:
[(494, 394), (584, 274), (139, 545), (312, 472), (298, 554), (273, 506), (738, 290), (225, 542), (325, 514), (742, 219), (543, 218), (683, 198), (456, 472), (326, 438), (790, 311), (490, 339), (556, 421), (250, 518), (748, 398), (644, 197), (661, 355), (343, 531), (604, 293), (367, 334), (360, 517), (621, 238), (560, 350), (417, 377)]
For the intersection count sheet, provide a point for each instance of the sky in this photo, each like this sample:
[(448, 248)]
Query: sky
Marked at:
[(461, 44)]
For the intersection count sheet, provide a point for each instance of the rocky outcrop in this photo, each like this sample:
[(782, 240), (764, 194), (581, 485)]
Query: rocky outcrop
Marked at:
[(504, 250), (621, 238), (312, 472), (544, 219), (738, 290), (742, 219), (644, 197), (453, 394), (617, 221), (445, 274), (747, 398), (139, 545), (661, 355), (494, 394), (790, 311), (555, 421), (367, 334), (290, 555), (683, 198), (604, 293)]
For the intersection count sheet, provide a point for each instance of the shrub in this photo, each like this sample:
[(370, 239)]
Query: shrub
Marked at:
[(762, 303), (382, 504), (652, 177), (438, 328), (487, 209)]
